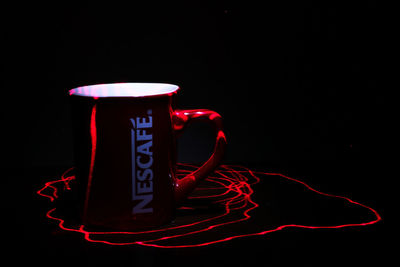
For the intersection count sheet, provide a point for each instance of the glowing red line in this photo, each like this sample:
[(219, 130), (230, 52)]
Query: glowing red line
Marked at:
[(232, 180), (378, 217), (188, 233), (60, 221), (165, 229), (216, 195), (47, 185), (64, 179), (87, 234), (245, 213), (201, 230), (186, 208)]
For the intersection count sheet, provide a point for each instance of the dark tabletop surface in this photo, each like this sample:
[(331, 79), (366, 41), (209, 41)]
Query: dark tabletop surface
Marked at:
[(29, 235)]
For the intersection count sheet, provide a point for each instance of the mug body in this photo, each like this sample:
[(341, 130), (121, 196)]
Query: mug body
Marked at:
[(125, 156)]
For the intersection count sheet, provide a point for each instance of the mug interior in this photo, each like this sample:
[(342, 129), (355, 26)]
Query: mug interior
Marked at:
[(124, 90)]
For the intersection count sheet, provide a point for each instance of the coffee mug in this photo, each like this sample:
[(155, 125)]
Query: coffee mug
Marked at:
[(125, 153)]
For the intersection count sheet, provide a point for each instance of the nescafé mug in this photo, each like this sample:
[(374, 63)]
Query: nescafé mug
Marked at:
[(125, 153)]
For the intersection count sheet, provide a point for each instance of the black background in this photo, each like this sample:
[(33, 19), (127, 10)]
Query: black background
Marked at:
[(296, 83)]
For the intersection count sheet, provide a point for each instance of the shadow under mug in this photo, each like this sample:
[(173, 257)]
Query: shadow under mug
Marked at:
[(125, 153)]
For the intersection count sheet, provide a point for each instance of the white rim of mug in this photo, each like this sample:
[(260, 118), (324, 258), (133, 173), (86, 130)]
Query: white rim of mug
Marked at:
[(124, 90)]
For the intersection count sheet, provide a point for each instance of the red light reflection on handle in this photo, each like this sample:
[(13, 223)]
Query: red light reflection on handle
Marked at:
[(230, 186)]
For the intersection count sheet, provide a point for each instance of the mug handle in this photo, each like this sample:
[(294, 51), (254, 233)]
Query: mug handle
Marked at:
[(180, 119)]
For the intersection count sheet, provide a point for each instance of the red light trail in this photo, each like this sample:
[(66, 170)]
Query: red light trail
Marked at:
[(229, 196)]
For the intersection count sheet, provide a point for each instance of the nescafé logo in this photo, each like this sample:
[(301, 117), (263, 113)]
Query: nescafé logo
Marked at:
[(142, 162)]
